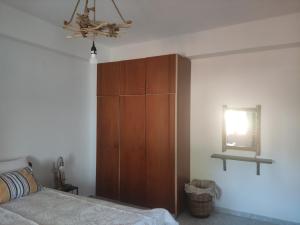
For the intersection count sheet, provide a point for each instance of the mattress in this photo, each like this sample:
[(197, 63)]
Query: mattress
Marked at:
[(51, 207)]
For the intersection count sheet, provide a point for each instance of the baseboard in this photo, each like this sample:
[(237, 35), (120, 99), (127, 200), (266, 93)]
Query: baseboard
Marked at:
[(118, 202), (254, 216)]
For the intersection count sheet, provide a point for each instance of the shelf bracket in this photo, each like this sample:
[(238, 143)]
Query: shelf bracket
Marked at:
[(224, 165), (257, 168)]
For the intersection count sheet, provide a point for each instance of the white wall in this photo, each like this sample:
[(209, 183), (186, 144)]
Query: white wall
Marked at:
[(47, 98), (270, 78), (44, 111), (243, 65)]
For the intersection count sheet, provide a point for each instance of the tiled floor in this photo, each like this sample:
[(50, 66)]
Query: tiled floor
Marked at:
[(218, 219)]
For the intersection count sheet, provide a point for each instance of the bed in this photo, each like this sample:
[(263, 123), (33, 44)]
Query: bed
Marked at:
[(52, 207)]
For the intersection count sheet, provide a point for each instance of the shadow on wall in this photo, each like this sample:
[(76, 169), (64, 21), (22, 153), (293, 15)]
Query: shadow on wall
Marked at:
[(44, 169)]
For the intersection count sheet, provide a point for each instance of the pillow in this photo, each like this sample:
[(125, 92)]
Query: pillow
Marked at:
[(13, 165), (17, 184)]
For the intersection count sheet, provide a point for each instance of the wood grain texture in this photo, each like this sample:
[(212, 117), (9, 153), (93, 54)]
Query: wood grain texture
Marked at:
[(183, 127), (160, 170), (108, 78), (132, 149), (172, 73), (107, 184), (172, 152), (160, 76), (143, 126), (133, 78)]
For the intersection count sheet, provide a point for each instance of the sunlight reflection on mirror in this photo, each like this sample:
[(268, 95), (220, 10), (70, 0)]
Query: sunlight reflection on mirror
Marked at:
[(241, 128), (237, 122)]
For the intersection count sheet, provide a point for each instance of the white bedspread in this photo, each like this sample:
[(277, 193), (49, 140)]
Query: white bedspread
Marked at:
[(50, 207)]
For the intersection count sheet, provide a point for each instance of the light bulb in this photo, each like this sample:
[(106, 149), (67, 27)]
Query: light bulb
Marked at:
[(93, 58)]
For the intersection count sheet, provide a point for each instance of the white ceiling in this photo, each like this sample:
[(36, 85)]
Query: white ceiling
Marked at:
[(155, 19)]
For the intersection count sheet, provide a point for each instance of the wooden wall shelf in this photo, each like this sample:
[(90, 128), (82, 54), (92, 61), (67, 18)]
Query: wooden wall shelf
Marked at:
[(258, 161)]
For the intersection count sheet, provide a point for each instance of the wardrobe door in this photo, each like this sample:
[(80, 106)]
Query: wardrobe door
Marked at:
[(108, 78), (161, 74), (132, 149), (133, 78), (160, 135), (108, 147)]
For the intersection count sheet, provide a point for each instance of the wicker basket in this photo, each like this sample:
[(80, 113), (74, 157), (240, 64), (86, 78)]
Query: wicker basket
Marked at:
[(201, 205)]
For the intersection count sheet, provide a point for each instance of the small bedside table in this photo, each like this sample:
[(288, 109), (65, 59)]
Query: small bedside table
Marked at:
[(68, 188)]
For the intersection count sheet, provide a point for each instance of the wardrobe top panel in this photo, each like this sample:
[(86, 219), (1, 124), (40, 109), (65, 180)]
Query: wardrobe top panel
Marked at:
[(152, 75)]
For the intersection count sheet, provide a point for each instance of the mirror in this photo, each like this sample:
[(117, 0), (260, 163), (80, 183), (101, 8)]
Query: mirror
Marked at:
[(241, 129)]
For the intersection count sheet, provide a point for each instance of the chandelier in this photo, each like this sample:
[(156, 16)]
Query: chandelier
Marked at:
[(86, 26)]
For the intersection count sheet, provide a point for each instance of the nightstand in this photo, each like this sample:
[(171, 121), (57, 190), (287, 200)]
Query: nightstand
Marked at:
[(68, 188)]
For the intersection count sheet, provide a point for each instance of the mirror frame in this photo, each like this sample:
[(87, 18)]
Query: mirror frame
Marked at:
[(257, 146)]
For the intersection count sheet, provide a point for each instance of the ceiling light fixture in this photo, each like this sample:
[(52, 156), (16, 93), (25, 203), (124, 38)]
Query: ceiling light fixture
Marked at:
[(84, 27), (93, 58)]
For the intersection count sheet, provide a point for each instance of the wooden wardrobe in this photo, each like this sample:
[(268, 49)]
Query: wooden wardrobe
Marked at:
[(143, 131)]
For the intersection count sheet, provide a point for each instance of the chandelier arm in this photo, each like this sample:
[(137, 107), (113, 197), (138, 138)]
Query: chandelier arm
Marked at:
[(72, 17), (86, 5), (94, 11), (89, 27), (119, 12), (94, 19)]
